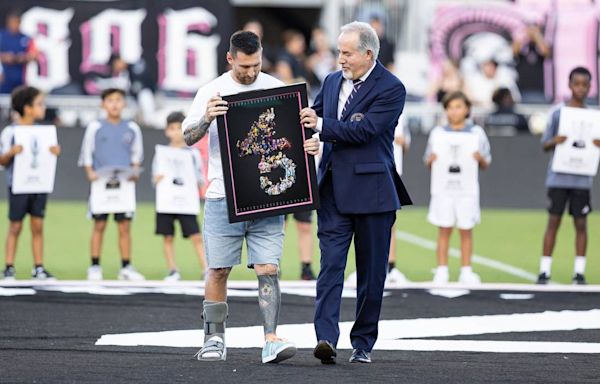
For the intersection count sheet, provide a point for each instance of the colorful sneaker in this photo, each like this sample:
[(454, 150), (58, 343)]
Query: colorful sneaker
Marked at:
[(39, 273), (129, 273), (213, 350), (10, 273), (276, 351), (94, 273), (173, 276), (579, 279), (543, 278), (469, 278)]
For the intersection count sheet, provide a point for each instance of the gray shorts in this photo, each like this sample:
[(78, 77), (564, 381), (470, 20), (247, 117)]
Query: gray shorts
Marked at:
[(223, 240)]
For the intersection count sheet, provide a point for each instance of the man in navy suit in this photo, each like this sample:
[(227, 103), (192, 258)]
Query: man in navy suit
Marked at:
[(355, 113)]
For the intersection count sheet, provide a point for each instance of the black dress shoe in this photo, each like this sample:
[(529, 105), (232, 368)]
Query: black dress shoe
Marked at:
[(325, 351), (360, 356)]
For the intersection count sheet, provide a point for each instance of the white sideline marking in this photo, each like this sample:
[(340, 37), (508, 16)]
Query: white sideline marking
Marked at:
[(16, 291), (300, 285), (477, 259), (403, 334)]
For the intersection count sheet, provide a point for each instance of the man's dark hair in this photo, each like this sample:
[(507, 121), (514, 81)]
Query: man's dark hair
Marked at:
[(175, 117), (244, 41), (456, 95), (109, 91), (580, 71), (22, 96)]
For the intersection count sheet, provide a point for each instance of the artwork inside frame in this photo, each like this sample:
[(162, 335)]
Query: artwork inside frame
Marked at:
[(265, 169)]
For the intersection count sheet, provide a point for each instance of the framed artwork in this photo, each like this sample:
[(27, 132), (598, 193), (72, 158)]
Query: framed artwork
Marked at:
[(265, 169)]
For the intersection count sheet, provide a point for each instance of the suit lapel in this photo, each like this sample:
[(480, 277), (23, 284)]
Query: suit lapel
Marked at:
[(364, 90)]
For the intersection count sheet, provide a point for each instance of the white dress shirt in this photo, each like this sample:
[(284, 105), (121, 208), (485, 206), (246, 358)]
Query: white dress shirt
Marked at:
[(345, 91)]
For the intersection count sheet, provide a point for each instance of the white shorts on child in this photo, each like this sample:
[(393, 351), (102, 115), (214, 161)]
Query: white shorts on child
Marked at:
[(449, 211)]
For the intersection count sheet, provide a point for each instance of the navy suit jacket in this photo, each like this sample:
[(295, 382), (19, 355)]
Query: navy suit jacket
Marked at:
[(358, 146)]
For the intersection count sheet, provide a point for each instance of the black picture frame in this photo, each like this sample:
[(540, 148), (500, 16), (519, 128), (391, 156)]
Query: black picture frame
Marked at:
[(265, 169)]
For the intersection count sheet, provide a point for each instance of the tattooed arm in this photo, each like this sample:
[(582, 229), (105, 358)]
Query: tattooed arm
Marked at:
[(195, 131)]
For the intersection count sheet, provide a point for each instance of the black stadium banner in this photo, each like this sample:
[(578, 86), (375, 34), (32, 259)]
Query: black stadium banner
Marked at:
[(171, 45), (265, 168)]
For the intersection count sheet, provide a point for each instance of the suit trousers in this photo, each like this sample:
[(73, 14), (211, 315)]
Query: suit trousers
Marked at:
[(371, 234)]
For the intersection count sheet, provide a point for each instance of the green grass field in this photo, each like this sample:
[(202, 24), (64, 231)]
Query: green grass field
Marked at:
[(510, 236)]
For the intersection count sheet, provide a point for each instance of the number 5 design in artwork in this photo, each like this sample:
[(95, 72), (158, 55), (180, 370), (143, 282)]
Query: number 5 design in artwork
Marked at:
[(261, 141)]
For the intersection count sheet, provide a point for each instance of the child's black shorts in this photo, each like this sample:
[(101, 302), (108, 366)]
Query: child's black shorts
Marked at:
[(117, 216), (165, 224), (302, 216), (578, 199), (22, 204)]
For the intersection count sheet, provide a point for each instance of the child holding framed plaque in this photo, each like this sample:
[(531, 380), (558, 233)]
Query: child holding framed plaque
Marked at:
[(177, 173), (111, 154), (455, 153), (28, 103), (571, 133)]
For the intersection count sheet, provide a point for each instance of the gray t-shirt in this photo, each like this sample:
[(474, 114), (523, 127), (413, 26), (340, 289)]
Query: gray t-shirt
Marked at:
[(111, 145), (555, 179)]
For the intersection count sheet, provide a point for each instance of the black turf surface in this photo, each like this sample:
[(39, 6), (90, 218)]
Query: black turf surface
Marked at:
[(49, 338)]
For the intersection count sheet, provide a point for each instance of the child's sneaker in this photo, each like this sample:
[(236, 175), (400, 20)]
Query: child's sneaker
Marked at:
[(441, 276), (173, 276), (394, 276), (469, 278), (39, 273), (276, 351), (10, 273), (129, 273), (543, 278), (579, 279), (94, 273)]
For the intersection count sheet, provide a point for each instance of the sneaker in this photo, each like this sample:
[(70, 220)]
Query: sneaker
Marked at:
[(469, 278), (173, 276), (543, 278), (94, 273), (276, 351), (213, 350), (441, 276), (307, 273), (395, 277), (10, 273), (351, 280), (579, 279), (39, 273), (129, 273)]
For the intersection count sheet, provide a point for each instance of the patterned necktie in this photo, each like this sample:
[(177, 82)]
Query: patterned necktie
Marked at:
[(357, 84)]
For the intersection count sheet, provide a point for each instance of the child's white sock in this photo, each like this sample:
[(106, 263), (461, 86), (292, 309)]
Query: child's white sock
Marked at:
[(466, 269), (580, 264), (442, 269), (546, 265)]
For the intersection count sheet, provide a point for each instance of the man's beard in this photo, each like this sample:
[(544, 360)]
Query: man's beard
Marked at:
[(347, 75)]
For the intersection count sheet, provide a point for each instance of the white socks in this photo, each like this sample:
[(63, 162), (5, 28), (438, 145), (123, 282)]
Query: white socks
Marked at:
[(579, 265), (466, 269), (546, 265)]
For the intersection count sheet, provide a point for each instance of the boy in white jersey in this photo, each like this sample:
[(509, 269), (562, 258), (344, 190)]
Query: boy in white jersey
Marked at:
[(223, 241), (459, 209)]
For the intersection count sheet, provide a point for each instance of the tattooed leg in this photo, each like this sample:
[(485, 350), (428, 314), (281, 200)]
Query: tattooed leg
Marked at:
[(269, 301), (195, 131)]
